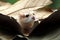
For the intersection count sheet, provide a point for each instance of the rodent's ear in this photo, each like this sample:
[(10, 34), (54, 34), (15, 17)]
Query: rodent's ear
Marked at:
[(21, 15)]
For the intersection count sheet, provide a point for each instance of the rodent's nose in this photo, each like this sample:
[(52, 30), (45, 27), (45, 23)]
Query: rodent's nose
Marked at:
[(33, 18)]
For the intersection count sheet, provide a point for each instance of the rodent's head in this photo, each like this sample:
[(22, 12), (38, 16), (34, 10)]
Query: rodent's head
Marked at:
[(26, 19)]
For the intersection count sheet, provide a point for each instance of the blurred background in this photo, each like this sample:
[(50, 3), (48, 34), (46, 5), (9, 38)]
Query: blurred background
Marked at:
[(54, 5), (55, 35)]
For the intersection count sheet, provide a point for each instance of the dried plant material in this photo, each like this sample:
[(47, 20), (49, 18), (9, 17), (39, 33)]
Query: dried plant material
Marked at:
[(26, 4), (4, 5)]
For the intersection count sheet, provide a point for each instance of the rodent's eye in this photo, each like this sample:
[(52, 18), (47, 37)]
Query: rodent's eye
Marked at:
[(33, 14), (27, 15)]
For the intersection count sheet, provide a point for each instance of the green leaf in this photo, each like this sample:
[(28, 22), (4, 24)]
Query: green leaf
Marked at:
[(12, 1), (55, 4)]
